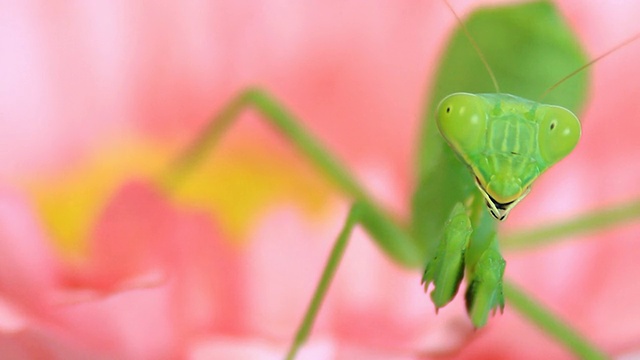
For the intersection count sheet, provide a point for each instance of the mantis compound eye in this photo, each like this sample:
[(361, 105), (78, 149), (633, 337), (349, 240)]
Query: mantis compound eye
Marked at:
[(558, 133), (462, 120)]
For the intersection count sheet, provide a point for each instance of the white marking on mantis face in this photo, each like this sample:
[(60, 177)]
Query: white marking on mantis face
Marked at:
[(499, 210)]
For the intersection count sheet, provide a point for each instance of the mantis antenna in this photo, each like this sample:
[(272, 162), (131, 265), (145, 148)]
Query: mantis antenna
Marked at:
[(475, 46), (576, 71)]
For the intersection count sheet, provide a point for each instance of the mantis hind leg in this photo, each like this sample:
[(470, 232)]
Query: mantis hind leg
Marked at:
[(282, 120), (402, 248), (550, 323), (393, 238), (378, 226), (353, 218)]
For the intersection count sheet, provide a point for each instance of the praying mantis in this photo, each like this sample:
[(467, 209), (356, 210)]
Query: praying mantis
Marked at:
[(452, 234)]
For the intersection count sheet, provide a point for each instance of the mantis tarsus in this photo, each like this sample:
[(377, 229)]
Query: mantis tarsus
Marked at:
[(456, 209)]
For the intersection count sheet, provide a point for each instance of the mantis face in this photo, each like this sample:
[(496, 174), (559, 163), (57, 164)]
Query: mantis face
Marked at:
[(506, 141)]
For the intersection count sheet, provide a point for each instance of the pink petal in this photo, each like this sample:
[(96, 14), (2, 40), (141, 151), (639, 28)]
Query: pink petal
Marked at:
[(29, 270)]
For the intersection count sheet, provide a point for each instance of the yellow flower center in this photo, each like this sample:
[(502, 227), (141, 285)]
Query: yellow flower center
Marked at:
[(235, 185)]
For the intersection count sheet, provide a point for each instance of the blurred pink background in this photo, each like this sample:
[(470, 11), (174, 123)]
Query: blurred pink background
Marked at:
[(95, 261)]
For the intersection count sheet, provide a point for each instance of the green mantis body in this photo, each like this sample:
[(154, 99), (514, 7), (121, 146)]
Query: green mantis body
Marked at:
[(451, 235), (505, 141)]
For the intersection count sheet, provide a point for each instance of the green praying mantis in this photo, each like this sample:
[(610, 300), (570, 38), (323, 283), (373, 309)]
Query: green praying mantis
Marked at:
[(478, 156)]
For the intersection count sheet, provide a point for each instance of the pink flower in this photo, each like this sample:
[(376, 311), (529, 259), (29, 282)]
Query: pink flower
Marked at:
[(165, 278), (62, 312)]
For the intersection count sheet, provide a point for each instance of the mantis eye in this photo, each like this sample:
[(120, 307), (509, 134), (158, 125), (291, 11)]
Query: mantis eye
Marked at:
[(462, 120), (558, 133)]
